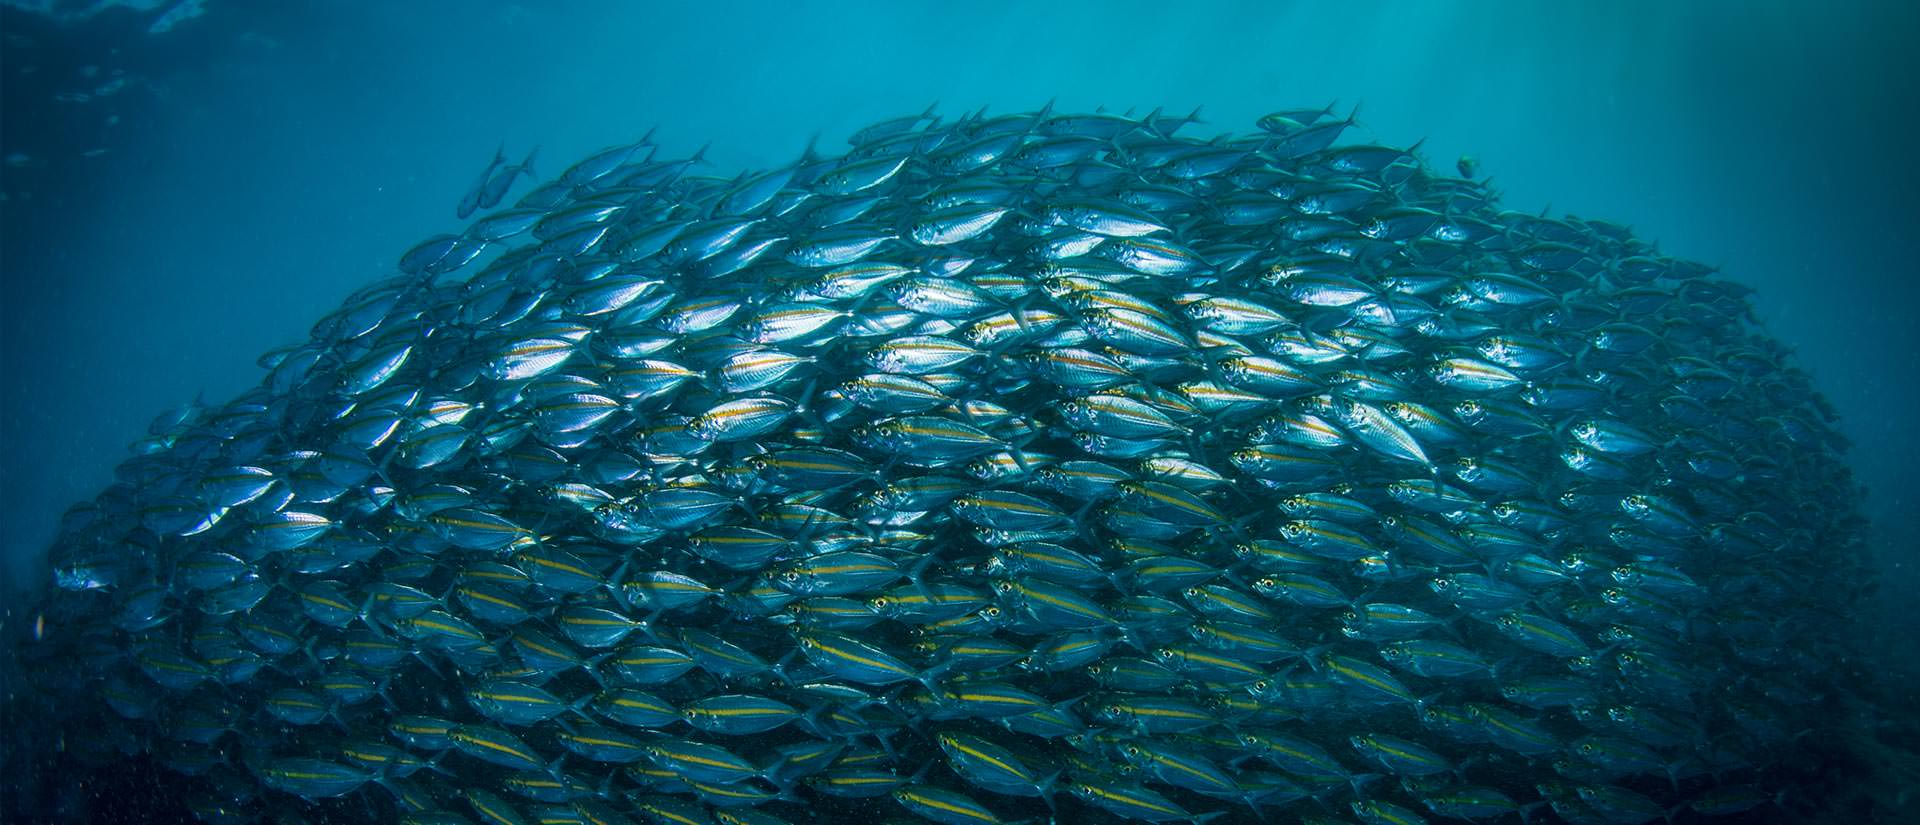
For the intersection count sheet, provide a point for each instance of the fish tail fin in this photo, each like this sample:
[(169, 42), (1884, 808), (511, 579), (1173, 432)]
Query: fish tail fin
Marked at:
[(779, 667), (931, 676), (916, 572), (306, 649), (591, 667), (380, 690), (1234, 578), (427, 662), (1237, 527), (919, 775), (1046, 789), (1312, 655), (614, 588), (1253, 801), (808, 155), (579, 708), (1363, 597), (891, 696), (1526, 811), (1499, 670), (803, 409), (527, 164), (1359, 782)]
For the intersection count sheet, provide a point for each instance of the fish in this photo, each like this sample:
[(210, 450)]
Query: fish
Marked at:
[(500, 183), (1005, 466), (470, 202)]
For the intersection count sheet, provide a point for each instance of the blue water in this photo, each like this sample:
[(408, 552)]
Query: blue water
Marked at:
[(230, 179)]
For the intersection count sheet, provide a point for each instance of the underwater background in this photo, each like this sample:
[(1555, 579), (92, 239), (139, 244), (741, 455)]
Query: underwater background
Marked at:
[(189, 185)]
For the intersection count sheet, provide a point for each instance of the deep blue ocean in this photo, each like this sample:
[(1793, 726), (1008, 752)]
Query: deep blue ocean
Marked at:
[(179, 197)]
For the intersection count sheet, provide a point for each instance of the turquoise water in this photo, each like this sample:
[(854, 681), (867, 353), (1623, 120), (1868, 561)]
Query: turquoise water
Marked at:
[(258, 162)]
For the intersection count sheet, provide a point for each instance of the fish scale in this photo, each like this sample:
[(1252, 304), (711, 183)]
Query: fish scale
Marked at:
[(1078, 438)]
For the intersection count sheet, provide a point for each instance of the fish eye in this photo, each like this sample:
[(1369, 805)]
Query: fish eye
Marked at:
[(790, 576)]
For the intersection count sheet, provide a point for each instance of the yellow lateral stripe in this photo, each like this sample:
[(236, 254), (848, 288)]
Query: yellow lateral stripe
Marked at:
[(861, 659), (975, 753)]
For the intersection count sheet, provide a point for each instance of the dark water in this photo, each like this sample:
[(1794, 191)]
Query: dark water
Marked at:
[(244, 171)]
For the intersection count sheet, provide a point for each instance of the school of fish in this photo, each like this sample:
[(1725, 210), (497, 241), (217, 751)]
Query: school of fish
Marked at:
[(1019, 467)]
